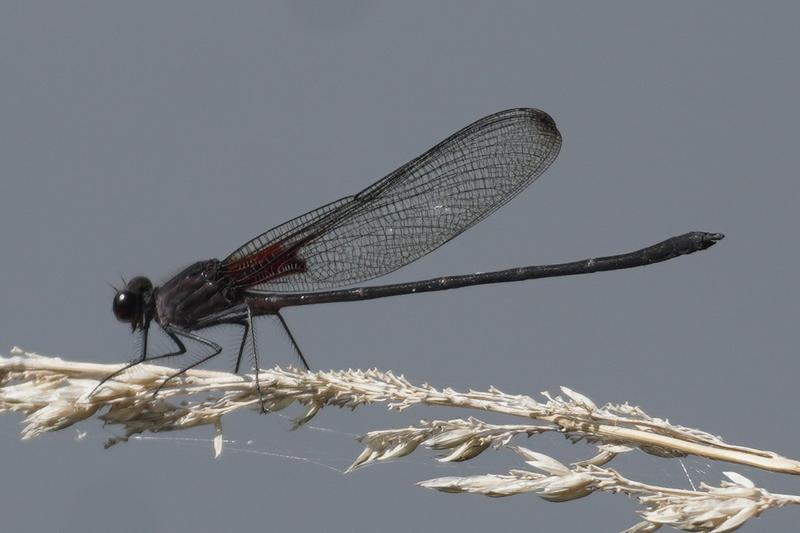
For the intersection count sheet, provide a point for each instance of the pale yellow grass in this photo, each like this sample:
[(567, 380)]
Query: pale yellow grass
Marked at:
[(53, 394)]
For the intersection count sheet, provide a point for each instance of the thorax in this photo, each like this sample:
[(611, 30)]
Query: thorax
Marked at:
[(196, 292)]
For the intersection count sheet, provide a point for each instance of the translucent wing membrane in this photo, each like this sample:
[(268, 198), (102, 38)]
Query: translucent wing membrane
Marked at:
[(407, 214)]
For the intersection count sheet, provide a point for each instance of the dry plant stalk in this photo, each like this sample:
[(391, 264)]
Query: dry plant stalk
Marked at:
[(54, 394), (715, 509)]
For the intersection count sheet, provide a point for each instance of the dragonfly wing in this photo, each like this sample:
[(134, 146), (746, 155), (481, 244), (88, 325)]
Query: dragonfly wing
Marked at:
[(409, 213)]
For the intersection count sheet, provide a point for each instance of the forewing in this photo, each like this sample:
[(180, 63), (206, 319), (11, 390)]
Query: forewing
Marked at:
[(407, 214)]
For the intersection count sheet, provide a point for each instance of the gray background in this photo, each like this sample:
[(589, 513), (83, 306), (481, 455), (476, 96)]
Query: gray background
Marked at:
[(139, 137)]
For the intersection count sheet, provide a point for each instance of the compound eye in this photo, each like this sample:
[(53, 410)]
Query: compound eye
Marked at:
[(125, 306)]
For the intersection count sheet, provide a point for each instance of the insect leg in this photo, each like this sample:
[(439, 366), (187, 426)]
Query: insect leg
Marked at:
[(181, 349), (294, 342), (247, 325), (174, 333)]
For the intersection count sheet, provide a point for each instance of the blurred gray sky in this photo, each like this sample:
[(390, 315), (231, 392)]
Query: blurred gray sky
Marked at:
[(138, 137)]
